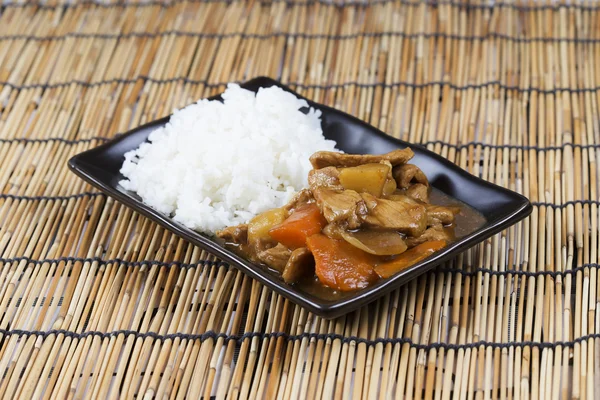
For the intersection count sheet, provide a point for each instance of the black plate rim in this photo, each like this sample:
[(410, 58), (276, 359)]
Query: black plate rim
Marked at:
[(326, 309)]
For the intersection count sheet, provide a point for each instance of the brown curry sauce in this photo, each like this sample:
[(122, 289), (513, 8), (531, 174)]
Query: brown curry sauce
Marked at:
[(362, 219), (465, 223)]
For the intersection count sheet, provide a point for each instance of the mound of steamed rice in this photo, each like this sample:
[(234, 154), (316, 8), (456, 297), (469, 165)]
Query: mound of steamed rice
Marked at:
[(217, 164)]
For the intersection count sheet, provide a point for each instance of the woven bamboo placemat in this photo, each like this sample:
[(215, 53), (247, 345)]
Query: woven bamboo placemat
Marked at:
[(96, 301)]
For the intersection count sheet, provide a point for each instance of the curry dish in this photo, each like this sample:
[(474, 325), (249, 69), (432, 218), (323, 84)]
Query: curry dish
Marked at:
[(363, 218)]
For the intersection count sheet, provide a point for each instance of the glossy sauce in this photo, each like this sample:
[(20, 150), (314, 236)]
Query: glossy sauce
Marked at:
[(466, 222)]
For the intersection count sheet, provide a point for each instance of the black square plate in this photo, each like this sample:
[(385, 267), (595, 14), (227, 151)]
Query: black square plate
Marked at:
[(501, 207)]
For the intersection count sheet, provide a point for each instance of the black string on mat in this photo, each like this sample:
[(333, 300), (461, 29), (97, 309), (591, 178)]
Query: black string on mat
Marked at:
[(310, 336), (51, 198), (299, 35), (459, 146), (342, 85), (432, 142), (529, 274), (96, 194), (56, 139), (208, 263), (199, 263)]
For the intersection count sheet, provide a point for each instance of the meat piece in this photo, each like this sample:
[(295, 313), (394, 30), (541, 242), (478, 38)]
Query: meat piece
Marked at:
[(234, 234), (440, 215), (408, 174), (300, 263), (372, 201), (327, 177), (275, 257), (390, 185), (301, 198), (402, 214), (345, 208), (436, 232), (322, 159), (418, 191), (333, 231)]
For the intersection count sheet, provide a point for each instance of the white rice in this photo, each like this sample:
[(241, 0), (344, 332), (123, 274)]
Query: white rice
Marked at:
[(219, 164)]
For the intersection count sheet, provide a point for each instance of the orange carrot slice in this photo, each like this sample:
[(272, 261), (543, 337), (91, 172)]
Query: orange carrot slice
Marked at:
[(302, 223), (408, 258), (340, 265)]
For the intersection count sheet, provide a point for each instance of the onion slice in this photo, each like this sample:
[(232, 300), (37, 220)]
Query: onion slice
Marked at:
[(376, 242)]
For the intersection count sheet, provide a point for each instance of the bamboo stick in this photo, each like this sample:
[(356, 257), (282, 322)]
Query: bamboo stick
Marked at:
[(508, 92)]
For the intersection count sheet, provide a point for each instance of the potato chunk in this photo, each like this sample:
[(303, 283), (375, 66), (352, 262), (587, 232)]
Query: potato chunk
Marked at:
[(367, 178), (259, 226)]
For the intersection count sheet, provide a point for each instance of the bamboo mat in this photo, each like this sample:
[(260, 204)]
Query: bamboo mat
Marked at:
[(97, 302)]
